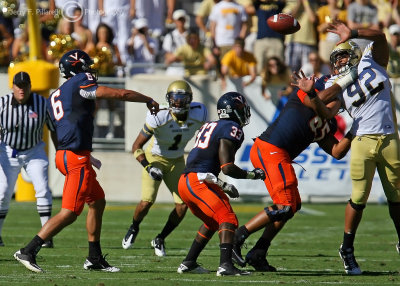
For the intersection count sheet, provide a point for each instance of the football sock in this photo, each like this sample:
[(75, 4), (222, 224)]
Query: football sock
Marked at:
[(94, 249), (34, 246), (194, 251), (168, 228), (1, 225), (348, 240), (44, 213), (44, 219), (135, 224), (262, 243), (241, 234), (394, 211), (225, 253)]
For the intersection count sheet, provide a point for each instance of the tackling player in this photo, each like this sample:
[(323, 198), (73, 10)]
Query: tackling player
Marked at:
[(170, 130), (214, 150), (273, 151), (71, 108), (370, 102)]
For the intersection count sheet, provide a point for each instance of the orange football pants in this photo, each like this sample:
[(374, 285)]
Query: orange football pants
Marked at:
[(280, 178), (206, 201), (81, 185)]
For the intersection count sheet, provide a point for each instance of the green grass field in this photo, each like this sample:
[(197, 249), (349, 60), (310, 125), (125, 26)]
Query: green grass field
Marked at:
[(305, 252)]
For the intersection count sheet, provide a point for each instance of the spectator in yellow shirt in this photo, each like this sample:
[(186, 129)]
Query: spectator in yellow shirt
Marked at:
[(238, 63), (196, 58)]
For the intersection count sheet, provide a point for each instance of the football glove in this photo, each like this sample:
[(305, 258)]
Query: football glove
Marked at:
[(155, 173), (256, 174), (95, 162), (228, 189)]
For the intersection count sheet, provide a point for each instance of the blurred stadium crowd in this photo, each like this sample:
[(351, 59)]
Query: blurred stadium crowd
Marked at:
[(222, 38)]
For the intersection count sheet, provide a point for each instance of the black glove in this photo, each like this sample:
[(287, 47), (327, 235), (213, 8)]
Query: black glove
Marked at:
[(256, 174), (155, 173), (229, 189)]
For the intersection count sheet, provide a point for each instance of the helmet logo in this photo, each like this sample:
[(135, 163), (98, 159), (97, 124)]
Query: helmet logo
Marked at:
[(75, 57)]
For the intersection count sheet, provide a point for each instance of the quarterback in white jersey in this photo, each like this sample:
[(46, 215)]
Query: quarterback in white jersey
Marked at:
[(376, 146), (168, 132), (169, 135)]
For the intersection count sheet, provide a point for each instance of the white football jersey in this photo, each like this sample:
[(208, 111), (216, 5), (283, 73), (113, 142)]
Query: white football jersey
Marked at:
[(368, 100), (169, 136)]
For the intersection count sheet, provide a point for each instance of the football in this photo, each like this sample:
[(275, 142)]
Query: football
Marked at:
[(283, 23)]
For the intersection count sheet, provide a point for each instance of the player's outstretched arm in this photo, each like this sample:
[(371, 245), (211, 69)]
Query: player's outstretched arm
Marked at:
[(380, 51), (325, 103), (127, 95), (226, 153)]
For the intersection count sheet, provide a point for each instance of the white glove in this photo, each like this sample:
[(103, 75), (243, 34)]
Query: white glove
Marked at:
[(228, 189), (155, 173), (95, 162)]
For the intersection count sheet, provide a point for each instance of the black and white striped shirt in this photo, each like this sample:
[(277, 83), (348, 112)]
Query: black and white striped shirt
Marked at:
[(22, 124)]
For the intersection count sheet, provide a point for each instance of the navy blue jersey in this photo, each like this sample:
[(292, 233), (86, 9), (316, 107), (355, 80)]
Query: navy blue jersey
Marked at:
[(71, 108), (204, 156), (297, 126)]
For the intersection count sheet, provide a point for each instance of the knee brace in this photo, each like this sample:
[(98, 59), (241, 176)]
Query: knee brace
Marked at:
[(357, 207), (276, 214)]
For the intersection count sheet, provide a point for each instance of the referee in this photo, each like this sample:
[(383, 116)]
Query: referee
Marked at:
[(22, 118)]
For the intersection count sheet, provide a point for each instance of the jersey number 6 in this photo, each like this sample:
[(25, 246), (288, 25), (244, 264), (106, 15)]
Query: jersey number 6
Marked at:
[(58, 110)]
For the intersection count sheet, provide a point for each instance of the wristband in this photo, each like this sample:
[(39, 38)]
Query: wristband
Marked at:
[(344, 81), (353, 34), (250, 175), (145, 164), (312, 94), (138, 152), (149, 101)]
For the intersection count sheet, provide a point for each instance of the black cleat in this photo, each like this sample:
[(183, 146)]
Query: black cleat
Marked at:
[(99, 263), (349, 261), (129, 238), (237, 256), (191, 267), (159, 246), (238, 242), (227, 269), (256, 258), (28, 260), (1, 242)]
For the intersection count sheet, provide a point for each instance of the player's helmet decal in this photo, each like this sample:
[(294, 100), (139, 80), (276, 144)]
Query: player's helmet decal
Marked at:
[(352, 49), (234, 106), (179, 96), (74, 62)]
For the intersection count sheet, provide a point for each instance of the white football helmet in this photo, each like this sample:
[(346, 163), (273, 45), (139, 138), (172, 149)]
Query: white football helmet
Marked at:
[(352, 49)]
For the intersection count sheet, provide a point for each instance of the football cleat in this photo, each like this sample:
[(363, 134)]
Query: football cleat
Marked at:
[(227, 269), (191, 267), (1, 242), (256, 258), (397, 247), (28, 260), (237, 255), (129, 238), (159, 246), (48, 244), (99, 263), (349, 261)]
